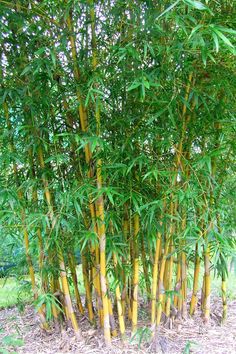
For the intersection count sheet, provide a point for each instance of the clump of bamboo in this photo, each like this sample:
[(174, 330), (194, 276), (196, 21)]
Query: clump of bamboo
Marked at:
[(116, 143)]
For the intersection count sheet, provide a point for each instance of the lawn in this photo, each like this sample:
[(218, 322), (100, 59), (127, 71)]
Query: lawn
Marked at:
[(14, 292), (17, 292)]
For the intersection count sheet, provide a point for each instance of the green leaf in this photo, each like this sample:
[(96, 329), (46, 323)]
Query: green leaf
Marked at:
[(53, 57), (40, 51), (224, 38), (156, 115), (211, 57), (195, 29), (134, 85), (168, 9), (26, 70), (216, 41), (204, 55), (110, 197), (196, 4), (226, 29), (146, 84)]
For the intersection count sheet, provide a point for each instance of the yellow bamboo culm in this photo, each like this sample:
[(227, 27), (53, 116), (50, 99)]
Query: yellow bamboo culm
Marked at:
[(207, 286), (169, 282), (154, 282), (102, 243), (131, 256), (184, 284), (166, 280), (111, 318), (75, 282), (87, 287), (97, 284), (224, 298), (119, 303), (163, 269), (168, 274), (193, 302), (94, 250), (161, 289), (202, 293), (223, 280), (135, 274), (124, 296), (120, 313), (178, 283), (67, 297), (145, 267), (55, 310)]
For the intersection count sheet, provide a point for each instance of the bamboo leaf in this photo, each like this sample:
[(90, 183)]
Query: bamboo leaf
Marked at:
[(196, 4)]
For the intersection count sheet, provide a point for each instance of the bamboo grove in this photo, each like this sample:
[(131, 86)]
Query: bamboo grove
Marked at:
[(118, 140)]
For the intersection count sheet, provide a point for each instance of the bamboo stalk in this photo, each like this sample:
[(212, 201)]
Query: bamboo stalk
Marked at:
[(170, 275), (119, 302), (124, 296), (111, 318), (135, 274), (224, 298), (207, 285), (145, 267), (118, 292), (87, 287), (154, 281), (102, 243), (193, 302), (75, 282), (67, 296), (161, 289), (177, 297)]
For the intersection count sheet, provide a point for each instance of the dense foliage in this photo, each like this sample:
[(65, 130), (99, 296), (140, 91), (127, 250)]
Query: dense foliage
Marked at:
[(118, 140)]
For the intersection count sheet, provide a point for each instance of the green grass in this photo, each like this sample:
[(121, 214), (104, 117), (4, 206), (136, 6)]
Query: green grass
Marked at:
[(14, 292)]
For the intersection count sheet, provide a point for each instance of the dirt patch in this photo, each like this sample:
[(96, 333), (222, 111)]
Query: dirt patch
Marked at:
[(21, 332)]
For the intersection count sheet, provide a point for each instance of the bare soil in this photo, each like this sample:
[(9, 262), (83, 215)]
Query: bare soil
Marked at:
[(185, 336)]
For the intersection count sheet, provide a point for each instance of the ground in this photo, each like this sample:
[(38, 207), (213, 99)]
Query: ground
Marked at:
[(20, 332)]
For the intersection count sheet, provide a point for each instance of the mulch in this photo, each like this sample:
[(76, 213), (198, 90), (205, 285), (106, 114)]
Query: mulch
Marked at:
[(186, 336)]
